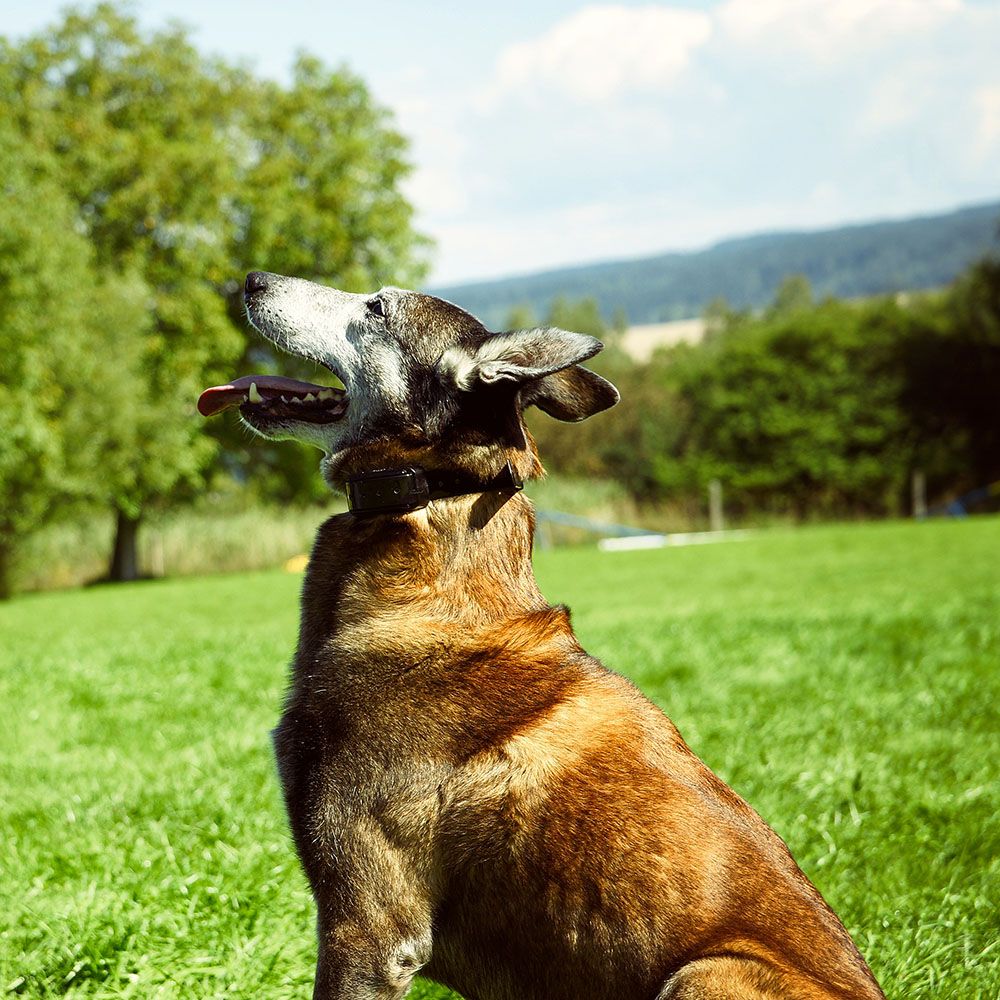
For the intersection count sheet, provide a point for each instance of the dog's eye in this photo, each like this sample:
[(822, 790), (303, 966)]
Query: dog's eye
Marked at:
[(376, 307)]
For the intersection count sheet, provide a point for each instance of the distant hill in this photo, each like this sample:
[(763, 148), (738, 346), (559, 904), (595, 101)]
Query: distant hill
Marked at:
[(849, 262)]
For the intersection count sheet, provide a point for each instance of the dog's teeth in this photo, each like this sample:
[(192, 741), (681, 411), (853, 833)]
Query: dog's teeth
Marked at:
[(310, 398), (253, 395), (325, 394), (284, 399)]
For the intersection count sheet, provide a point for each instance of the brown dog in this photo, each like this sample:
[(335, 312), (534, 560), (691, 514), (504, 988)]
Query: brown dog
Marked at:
[(471, 794)]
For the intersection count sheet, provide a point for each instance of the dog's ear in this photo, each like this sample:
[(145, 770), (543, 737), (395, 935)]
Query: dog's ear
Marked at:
[(572, 394), (520, 356)]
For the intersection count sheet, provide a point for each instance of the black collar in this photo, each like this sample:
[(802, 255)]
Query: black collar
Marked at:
[(397, 491)]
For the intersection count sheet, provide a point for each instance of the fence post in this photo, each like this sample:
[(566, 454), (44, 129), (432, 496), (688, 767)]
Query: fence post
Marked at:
[(918, 490), (715, 519)]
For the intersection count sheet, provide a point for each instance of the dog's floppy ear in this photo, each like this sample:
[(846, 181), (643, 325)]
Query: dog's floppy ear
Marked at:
[(520, 356), (572, 394)]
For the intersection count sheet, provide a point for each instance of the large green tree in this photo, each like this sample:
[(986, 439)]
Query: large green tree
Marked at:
[(799, 410), (182, 173), (60, 322), (135, 128)]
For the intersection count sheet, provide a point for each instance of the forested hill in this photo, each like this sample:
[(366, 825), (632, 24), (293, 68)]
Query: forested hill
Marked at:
[(852, 261)]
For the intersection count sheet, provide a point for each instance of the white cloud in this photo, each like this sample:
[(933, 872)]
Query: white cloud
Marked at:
[(602, 53), (620, 131), (896, 100), (827, 30)]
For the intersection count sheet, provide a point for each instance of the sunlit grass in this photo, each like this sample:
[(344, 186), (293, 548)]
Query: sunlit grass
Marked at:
[(844, 679)]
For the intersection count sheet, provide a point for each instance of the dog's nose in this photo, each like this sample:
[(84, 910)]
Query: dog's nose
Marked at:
[(256, 282)]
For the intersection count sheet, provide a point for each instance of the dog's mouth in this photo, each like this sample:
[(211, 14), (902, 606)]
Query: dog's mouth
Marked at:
[(274, 398)]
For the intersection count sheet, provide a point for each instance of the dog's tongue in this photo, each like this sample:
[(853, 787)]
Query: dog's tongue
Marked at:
[(222, 397)]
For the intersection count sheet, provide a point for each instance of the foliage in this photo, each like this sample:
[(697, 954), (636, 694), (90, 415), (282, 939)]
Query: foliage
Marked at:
[(812, 409), (180, 172), (794, 295), (799, 408), (582, 316), (952, 383), (145, 851), (58, 319), (135, 129)]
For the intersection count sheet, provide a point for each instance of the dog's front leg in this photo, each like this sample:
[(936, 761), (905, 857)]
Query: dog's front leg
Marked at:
[(372, 896), (371, 954), (373, 918), (358, 964)]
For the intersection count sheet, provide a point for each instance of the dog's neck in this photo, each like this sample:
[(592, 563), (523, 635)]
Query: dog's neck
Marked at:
[(420, 581)]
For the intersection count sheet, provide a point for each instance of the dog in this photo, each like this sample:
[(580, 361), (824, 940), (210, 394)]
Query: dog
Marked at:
[(471, 795)]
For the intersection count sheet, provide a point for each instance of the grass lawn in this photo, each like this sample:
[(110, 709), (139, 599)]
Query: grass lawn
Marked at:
[(843, 679)]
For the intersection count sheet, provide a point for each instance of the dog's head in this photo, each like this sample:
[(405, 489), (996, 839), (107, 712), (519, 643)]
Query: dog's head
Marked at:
[(425, 383)]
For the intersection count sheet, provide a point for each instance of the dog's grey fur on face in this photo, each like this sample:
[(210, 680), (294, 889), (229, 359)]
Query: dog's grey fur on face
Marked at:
[(344, 333), (416, 367)]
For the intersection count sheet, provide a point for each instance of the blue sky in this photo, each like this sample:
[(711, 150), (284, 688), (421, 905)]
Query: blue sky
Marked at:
[(554, 132)]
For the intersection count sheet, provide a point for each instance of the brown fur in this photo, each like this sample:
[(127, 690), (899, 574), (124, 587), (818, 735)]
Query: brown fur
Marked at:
[(472, 793)]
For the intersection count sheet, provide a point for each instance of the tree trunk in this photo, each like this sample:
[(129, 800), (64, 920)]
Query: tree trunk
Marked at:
[(6, 570), (125, 559)]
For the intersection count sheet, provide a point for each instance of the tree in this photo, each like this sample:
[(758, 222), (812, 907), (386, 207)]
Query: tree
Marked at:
[(520, 317), (639, 442), (182, 173), (951, 361), (794, 295), (721, 318), (974, 360), (37, 267), (137, 129), (619, 323), (58, 324), (799, 410)]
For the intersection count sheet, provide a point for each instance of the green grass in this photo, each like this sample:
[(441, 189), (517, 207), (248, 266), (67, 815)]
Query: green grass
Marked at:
[(843, 679)]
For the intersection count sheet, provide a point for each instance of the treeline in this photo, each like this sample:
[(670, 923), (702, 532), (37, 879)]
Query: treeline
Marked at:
[(140, 179), (806, 408)]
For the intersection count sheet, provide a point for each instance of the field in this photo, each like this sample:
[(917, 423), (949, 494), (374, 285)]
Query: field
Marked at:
[(843, 679)]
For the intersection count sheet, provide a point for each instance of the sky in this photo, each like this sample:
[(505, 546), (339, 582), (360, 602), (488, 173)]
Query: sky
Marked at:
[(552, 132)]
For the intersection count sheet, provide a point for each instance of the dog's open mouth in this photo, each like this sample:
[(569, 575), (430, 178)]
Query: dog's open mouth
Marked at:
[(275, 398)]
